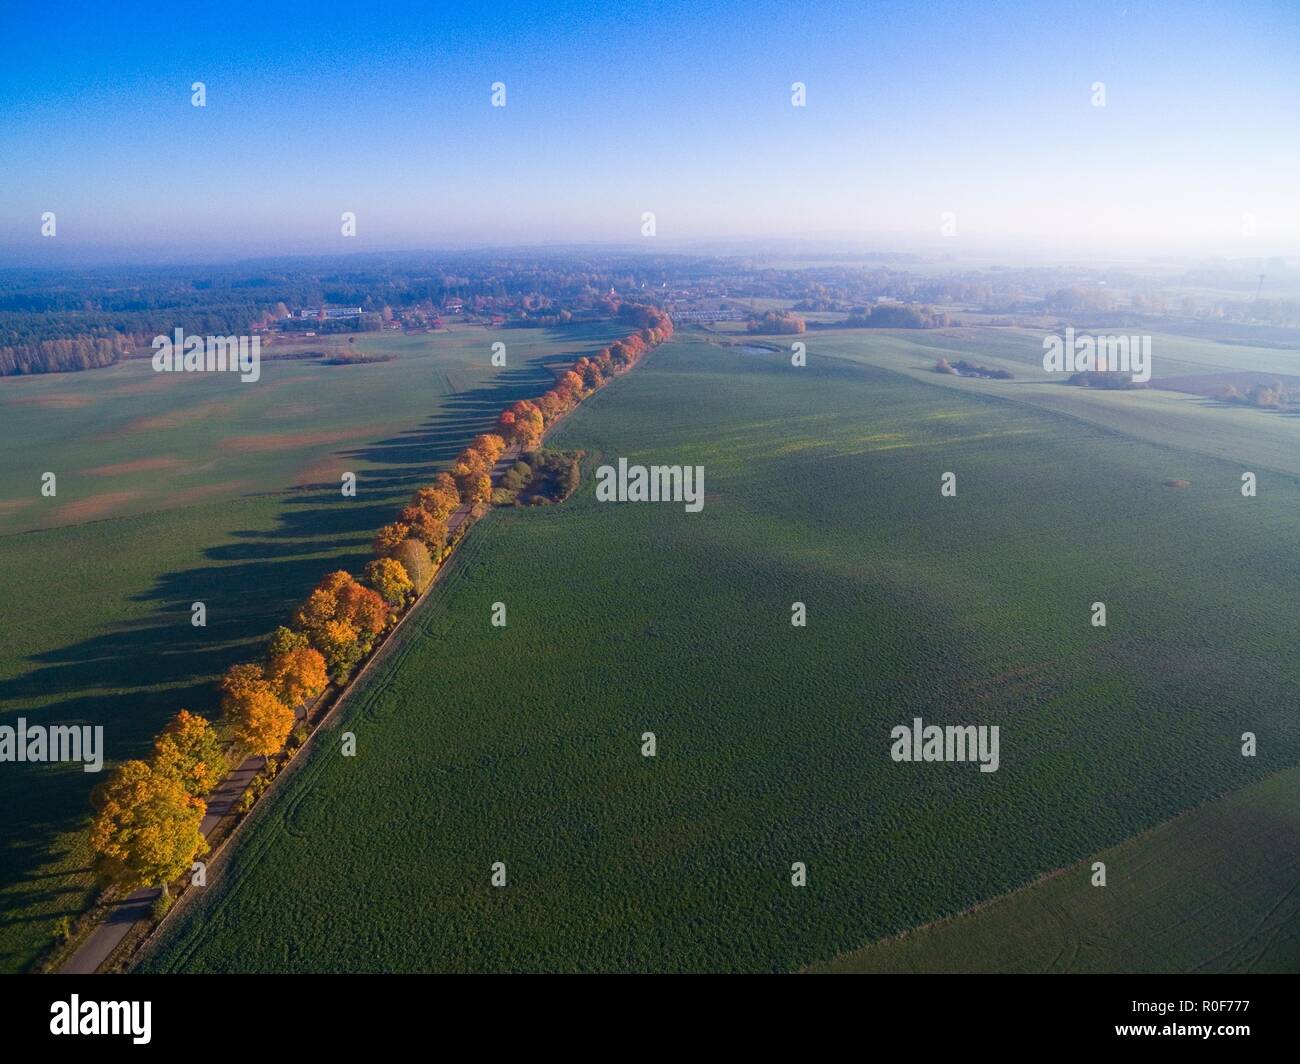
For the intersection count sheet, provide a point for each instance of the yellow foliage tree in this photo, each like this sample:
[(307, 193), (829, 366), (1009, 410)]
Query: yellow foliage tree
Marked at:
[(490, 446), (189, 750), (388, 577), (145, 831), (440, 499), (478, 488), (297, 675), (390, 537), (258, 720)]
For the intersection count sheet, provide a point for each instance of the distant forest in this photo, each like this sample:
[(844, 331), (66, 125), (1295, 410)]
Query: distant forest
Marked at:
[(63, 321), (53, 321)]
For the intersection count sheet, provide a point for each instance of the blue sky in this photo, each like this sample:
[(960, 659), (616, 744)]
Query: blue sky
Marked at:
[(982, 110)]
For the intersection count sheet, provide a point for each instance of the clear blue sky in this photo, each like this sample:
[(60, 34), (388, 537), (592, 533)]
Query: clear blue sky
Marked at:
[(683, 109)]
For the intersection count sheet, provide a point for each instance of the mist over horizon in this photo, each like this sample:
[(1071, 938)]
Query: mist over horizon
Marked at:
[(1095, 131)]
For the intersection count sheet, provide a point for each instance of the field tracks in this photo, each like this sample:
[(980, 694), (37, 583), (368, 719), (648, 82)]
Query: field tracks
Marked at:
[(128, 942)]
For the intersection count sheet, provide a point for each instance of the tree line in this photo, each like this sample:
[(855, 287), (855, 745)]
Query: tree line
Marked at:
[(83, 319), (145, 828)]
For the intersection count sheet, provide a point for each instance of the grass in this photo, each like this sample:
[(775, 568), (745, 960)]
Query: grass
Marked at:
[(96, 613), (126, 440), (522, 745), (1214, 890), (1254, 439)]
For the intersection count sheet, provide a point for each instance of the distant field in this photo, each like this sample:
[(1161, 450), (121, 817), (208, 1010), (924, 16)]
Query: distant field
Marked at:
[(521, 744), (127, 440), (171, 490), (1215, 890), (1259, 440)]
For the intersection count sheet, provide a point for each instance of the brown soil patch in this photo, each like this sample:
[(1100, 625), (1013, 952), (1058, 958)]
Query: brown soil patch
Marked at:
[(290, 411), (94, 507), (155, 382), (53, 402), (324, 471), (139, 465), (177, 418), (286, 441), (204, 492), (10, 506)]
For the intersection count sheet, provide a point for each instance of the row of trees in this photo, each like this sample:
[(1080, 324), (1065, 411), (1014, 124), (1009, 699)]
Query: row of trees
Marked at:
[(63, 355), (776, 322), (897, 316), (1266, 397), (524, 422), (147, 816), (963, 368)]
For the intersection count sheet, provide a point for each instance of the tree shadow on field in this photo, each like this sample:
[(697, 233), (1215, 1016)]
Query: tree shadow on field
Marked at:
[(135, 677)]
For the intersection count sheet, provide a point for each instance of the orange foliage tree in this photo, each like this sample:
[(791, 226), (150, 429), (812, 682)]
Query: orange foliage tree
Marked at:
[(297, 675), (145, 830), (424, 526), (489, 445), (440, 499), (390, 537), (523, 423), (341, 618), (388, 577), (253, 713), (189, 751)]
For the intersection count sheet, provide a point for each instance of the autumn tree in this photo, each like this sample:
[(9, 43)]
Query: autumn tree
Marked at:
[(362, 608), (241, 680), (523, 422), (297, 675), (424, 526), (284, 640), (189, 751), (469, 470), (252, 711), (390, 579), (551, 406), (440, 499), (340, 643), (490, 446), (571, 384), (389, 537), (472, 461), (416, 562), (257, 719), (145, 829), (342, 619), (478, 489)]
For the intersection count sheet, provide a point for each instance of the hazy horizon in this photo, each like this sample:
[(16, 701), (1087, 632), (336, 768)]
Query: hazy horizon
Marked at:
[(916, 123)]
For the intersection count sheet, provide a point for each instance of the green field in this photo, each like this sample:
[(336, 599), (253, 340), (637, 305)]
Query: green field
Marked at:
[(177, 488), (1263, 440), (522, 745), (1163, 907)]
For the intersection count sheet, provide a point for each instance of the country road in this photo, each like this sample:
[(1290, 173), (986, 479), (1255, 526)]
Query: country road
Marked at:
[(137, 906)]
